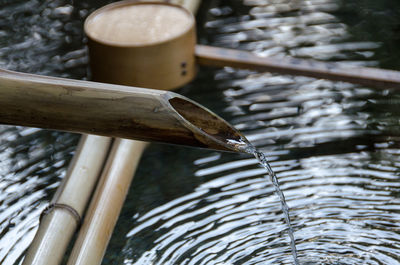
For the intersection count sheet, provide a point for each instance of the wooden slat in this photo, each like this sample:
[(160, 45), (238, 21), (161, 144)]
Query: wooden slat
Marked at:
[(373, 77)]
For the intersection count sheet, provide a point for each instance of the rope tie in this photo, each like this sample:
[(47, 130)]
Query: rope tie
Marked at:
[(52, 206)]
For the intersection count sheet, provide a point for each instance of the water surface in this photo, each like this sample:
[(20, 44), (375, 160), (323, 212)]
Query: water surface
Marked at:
[(334, 147)]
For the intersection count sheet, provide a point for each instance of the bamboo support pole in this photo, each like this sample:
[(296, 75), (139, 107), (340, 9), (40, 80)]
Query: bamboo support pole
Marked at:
[(104, 209), (374, 77), (107, 202), (57, 227)]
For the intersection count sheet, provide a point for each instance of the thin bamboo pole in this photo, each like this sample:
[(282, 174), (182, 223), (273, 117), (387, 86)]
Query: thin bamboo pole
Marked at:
[(107, 202), (374, 77), (57, 227), (103, 211)]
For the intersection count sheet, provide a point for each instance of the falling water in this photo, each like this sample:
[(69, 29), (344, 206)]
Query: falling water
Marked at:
[(263, 161), (261, 157)]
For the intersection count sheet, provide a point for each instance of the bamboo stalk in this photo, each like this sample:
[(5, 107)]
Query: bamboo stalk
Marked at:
[(214, 56), (107, 202), (111, 110), (57, 227)]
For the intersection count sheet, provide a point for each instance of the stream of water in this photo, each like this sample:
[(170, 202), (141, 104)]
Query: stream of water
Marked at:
[(245, 146), (261, 157)]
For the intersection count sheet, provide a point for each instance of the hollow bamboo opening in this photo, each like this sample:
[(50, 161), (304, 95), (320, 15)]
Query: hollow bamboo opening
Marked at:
[(209, 124)]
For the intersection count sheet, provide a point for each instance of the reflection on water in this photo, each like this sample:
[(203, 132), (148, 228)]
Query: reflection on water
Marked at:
[(32, 161), (334, 146)]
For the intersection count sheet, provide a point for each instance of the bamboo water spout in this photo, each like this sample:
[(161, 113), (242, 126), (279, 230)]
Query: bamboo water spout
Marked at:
[(111, 110)]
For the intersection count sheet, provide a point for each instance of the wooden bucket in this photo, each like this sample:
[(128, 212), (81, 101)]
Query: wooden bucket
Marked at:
[(145, 44)]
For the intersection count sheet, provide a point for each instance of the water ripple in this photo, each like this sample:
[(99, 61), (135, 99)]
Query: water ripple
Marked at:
[(334, 146)]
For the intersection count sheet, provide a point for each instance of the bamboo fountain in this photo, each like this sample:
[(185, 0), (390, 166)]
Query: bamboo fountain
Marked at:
[(132, 113)]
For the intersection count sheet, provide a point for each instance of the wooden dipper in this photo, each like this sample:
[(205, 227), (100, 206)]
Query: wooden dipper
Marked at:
[(145, 44)]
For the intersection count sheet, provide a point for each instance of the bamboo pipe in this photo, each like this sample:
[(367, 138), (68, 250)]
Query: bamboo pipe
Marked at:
[(112, 110), (57, 227), (374, 77)]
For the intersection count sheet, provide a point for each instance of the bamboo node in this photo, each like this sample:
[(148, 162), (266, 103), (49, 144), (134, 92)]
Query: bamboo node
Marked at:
[(52, 206)]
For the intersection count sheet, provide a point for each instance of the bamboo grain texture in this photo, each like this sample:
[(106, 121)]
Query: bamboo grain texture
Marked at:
[(110, 110)]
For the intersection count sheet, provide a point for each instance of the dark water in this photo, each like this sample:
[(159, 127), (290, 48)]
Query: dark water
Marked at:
[(335, 147)]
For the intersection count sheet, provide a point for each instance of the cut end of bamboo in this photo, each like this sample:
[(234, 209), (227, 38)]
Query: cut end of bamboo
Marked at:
[(208, 128)]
